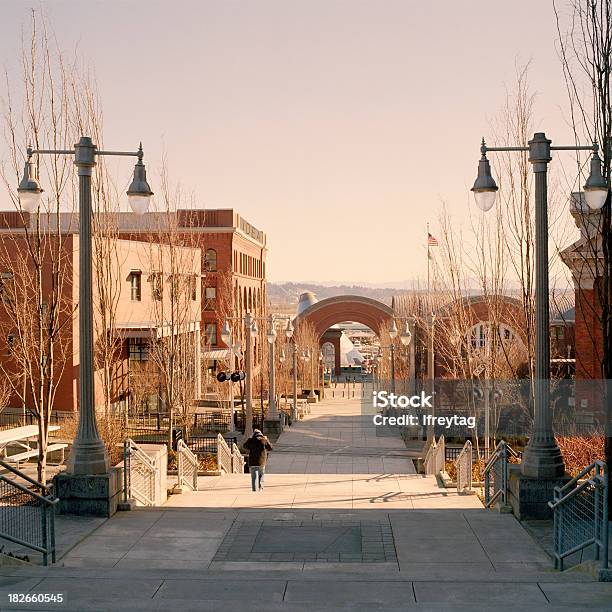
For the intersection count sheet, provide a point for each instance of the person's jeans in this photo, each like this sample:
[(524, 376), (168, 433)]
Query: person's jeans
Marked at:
[(257, 476)]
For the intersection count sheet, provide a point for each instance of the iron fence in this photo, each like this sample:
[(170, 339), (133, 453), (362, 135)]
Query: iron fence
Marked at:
[(580, 511), (27, 513), (452, 452), (207, 444)]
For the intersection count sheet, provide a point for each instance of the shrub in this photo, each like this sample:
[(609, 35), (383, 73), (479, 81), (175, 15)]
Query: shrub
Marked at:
[(580, 451)]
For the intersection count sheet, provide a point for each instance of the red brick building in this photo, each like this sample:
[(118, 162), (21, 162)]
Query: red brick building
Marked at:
[(220, 248)]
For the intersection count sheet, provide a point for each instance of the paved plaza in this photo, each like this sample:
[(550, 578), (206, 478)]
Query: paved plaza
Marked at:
[(344, 523)]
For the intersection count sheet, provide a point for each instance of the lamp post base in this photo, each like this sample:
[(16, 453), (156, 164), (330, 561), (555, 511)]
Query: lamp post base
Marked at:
[(90, 495), (529, 496), (272, 426), (87, 458), (543, 461)]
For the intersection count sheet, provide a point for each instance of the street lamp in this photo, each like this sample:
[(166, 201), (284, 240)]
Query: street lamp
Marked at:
[(542, 457), (88, 454), (271, 335)]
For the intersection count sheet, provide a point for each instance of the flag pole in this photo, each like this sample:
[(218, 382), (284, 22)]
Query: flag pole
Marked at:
[(428, 263)]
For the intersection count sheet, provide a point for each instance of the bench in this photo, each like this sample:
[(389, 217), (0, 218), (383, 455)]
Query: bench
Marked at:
[(34, 453)]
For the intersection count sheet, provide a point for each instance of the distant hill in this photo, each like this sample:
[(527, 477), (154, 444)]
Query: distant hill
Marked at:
[(288, 293)]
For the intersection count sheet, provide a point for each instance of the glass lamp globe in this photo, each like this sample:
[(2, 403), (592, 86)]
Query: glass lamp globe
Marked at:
[(289, 329), (30, 200), (226, 334), (393, 331), (271, 336), (595, 198), (485, 200), (254, 329), (139, 203), (406, 335)]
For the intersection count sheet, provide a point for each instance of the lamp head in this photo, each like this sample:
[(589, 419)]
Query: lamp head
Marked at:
[(393, 330), (289, 329), (485, 188), (596, 187), (139, 193), (29, 190), (226, 333), (254, 329), (406, 335)]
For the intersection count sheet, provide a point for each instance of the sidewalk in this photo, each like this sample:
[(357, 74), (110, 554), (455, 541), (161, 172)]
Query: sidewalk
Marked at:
[(360, 538)]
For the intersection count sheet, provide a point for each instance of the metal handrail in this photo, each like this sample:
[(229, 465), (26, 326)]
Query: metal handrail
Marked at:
[(497, 465), (19, 502), (224, 455), (435, 457), (463, 467), (237, 460), (137, 463), (7, 466), (580, 515), (187, 466)]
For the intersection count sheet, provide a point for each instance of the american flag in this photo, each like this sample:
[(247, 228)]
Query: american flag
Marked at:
[(431, 240)]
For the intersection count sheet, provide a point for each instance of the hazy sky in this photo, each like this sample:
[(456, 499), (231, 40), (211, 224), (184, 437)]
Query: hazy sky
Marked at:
[(337, 127)]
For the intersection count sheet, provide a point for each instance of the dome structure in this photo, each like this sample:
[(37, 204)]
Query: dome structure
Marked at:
[(307, 299)]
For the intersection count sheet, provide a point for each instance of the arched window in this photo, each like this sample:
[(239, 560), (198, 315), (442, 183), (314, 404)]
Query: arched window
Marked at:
[(484, 332), (250, 302), (210, 260), (245, 304)]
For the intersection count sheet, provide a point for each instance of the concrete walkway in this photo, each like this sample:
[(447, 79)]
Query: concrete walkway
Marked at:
[(344, 523)]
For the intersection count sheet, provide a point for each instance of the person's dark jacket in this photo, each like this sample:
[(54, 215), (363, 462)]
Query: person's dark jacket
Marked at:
[(258, 448)]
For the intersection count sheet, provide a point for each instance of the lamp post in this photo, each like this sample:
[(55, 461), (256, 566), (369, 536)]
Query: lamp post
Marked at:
[(88, 454), (272, 409), (250, 332), (542, 457), (234, 349)]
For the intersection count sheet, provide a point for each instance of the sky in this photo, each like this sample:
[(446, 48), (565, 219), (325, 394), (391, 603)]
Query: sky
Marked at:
[(339, 127)]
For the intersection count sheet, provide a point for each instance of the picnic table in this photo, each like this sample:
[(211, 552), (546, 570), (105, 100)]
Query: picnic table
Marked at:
[(21, 436)]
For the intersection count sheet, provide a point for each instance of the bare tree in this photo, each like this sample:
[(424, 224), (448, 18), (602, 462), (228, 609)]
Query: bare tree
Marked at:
[(585, 49), (175, 302), (36, 306)]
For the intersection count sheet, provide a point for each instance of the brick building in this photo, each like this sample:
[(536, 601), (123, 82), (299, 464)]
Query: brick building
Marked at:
[(584, 258), (233, 267), (218, 247)]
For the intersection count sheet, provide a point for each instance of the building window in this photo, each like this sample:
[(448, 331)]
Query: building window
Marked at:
[(138, 349), (5, 286), (210, 260), (210, 297), (210, 334), (193, 286), (135, 285), (10, 343), (157, 285)]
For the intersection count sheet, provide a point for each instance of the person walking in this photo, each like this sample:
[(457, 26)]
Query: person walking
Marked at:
[(258, 446)]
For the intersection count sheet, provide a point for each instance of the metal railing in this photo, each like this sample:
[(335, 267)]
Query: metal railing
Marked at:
[(463, 467), (496, 475), (224, 455), (434, 458), (237, 460), (187, 466), (27, 516), (580, 511), (138, 474)]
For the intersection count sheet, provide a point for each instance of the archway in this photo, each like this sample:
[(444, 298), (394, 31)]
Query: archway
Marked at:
[(326, 313)]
